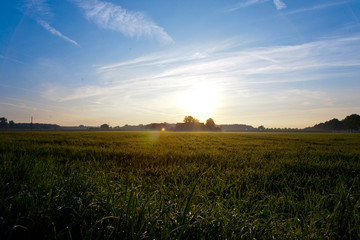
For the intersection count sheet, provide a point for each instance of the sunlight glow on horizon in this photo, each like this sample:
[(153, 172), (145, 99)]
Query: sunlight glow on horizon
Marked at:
[(200, 101)]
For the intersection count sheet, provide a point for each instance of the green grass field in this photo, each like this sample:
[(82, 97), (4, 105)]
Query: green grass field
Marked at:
[(152, 185)]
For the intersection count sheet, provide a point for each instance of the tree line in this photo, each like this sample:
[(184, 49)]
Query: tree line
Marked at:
[(349, 123)]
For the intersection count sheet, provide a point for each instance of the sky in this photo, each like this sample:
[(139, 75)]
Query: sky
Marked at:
[(277, 63)]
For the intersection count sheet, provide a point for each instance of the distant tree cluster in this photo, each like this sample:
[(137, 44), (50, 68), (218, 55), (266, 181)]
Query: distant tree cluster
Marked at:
[(4, 124), (189, 123), (192, 124), (350, 123), (105, 126)]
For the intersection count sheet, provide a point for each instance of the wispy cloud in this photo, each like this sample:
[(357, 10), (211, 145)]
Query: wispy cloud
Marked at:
[(245, 4), (251, 61), (110, 16), (314, 8), (41, 12), (261, 81), (55, 32), (37, 8), (163, 74), (278, 4)]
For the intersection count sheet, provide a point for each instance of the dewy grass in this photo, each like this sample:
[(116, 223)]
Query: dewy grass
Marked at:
[(147, 185)]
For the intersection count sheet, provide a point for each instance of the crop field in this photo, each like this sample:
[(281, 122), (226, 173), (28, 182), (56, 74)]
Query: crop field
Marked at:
[(161, 185)]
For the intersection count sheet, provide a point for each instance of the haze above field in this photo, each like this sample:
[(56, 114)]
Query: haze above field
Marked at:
[(260, 62)]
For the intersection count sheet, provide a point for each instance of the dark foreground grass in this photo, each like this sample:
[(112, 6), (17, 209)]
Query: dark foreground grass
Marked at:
[(146, 185)]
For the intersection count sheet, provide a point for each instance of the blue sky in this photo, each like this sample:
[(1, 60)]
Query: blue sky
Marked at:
[(275, 63)]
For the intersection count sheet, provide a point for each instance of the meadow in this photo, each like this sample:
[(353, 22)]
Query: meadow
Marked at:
[(161, 185)]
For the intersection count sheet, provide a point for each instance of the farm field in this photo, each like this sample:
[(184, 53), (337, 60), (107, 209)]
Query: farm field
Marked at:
[(162, 185)]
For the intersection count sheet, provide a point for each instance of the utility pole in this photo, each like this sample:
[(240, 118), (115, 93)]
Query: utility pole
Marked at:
[(31, 123)]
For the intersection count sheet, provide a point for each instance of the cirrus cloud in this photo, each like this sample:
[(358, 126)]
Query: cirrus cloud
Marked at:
[(110, 16), (41, 11), (55, 32), (279, 4)]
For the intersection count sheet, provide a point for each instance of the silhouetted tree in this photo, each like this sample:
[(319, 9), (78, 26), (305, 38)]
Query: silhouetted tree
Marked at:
[(331, 125), (210, 125), (352, 122), (190, 124), (335, 124), (3, 122), (261, 128), (105, 126), (11, 124), (190, 119)]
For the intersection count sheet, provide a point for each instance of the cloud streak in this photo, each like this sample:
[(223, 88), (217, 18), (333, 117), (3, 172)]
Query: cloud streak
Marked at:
[(245, 4), (279, 4), (40, 10), (314, 8), (114, 17), (55, 32)]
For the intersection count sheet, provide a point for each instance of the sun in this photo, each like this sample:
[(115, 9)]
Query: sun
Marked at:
[(200, 101)]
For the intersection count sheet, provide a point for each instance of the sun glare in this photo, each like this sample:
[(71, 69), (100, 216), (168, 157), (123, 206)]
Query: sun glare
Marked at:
[(200, 101)]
